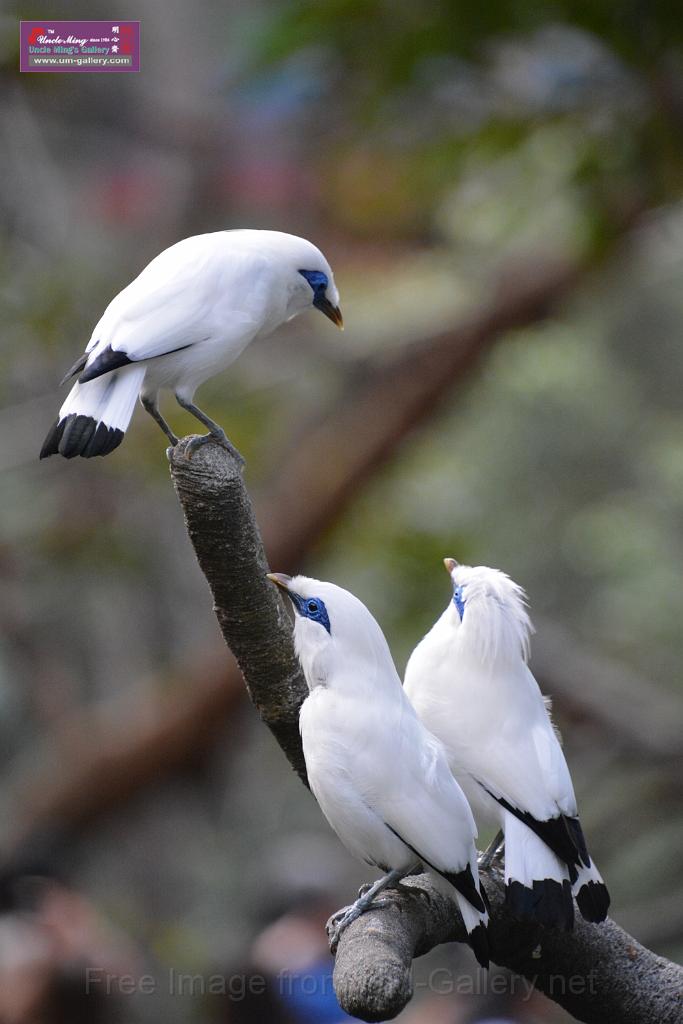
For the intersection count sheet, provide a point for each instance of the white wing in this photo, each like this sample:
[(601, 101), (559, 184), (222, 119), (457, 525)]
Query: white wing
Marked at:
[(192, 290), (527, 767), (385, 761), (496, 730), (425, 805)]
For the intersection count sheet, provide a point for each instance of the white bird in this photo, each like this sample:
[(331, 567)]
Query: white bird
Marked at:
[(186, 317), (469, 682), (380, 778)]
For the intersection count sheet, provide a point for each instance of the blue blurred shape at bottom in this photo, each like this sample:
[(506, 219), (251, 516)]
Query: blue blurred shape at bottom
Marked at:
[(309, 996)]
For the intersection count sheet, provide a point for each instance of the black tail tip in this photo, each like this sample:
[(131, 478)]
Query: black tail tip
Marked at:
[(51, 442), (479, 941), (593, 901), (80, 435), (549, 902)]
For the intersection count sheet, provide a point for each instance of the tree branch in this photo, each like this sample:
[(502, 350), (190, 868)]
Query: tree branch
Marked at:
[(598, 973), (222, 527)]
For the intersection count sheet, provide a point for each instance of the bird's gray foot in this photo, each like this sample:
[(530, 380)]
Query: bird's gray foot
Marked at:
[(494, 848), (216, 432), (340, 921), (219, 438), (149, 404), (365, 889)]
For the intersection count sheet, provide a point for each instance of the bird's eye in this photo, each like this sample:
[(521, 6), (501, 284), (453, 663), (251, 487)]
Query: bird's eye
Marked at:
[(317, 280), (313, 609)]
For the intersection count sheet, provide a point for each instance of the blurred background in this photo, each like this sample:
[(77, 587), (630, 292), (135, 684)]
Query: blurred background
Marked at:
[(502, 180)]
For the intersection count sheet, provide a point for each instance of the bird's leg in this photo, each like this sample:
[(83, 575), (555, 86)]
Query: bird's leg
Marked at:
[(216, 432), (488, 856), (344, 917), (150, 406)]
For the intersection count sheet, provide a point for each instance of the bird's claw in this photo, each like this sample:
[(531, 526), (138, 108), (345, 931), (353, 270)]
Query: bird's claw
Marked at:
[(487, 858), (493, 851), (201, 439), (340, 921), (333, 936), (195, 443), (339, 916)]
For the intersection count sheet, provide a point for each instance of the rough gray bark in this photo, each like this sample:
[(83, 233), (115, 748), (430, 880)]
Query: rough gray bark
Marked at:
[(220, 521), (598, 972)]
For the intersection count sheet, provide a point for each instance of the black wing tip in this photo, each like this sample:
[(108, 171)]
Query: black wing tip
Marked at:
[(106, 361), (562, 835), (574, 826), (479, 941), (76, 368), (464, 882), (593, 901), (80, 435), (548, 902)]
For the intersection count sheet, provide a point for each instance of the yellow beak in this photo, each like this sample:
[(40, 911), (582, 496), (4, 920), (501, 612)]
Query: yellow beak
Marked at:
[(280, 579), (333, 313)]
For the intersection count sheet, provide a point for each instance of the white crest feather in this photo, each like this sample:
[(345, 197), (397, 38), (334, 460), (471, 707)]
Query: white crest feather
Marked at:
[(496, 623)]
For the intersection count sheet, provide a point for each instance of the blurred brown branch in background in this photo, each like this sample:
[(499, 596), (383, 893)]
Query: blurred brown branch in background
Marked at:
[(385, 400)]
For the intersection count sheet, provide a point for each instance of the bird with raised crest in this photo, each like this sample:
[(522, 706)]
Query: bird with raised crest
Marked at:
[(380, 778), (186, 317), (469, 682)]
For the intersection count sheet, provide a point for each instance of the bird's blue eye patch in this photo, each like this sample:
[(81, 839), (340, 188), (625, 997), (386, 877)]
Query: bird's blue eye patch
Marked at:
[(459, 601), (312, 608), (317, 280)]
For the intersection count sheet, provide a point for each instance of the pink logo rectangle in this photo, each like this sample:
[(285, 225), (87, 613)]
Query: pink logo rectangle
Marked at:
[(48, 45)]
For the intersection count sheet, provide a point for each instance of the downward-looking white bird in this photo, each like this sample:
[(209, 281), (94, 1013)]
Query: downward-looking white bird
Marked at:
[(380, 778), (470, 684), (186, 317)]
